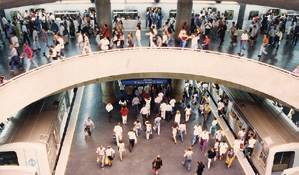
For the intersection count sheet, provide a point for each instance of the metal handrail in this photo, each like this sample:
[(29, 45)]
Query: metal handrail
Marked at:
[(148, 48)]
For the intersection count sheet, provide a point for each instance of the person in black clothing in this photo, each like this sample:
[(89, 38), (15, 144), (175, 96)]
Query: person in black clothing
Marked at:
[(200, 168), (222, 30), (157, 164), (211, 155)]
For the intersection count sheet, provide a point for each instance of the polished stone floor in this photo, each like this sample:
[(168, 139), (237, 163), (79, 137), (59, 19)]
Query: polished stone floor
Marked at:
[(82, 158)]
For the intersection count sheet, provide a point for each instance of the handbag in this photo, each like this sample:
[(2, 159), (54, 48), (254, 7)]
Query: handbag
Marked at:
[(85, 132), (106, 161)]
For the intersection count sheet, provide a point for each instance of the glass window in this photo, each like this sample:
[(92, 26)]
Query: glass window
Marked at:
[(273, 11), (59, 15), (229, 14), (8, 158), (253, 14), (14, 14), (126, 14), (172, 13), (35, 10), (283, 160)]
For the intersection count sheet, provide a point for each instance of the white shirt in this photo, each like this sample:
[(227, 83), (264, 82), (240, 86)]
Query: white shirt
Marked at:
[(172, 102), (223, 148), (132, 135), (24, 28), (138, 34), (20, 17), (188, 111), (251, 143), (241, 134), (61, 29), (244, 36), (188, 154), (168, 107), (163, 107), (109, 152), (34, 34), (61, 42), (177, 118), (182, 127), (109, 107), (197, 130), (118, 129), (205, 135), (15, 41), (144, 111), (220, 105), (161, 95), (237, 144), (100, 151), (158, 99), (105, 46)]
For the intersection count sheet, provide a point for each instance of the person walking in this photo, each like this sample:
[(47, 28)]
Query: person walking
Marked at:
[(110, 153), (177, 118), (182, 129), (144, 113), (200, 168), (101, 156), (132, 139), (230, 156), (211, 154), (222, 149), (137, 127), (135, 103), (124, 113), (187, 113), (204, 138), (109, 108), (44, 36), (118, 132), (29, 54), (206, 110), (14, 58), (121, 149), (35, 40), (87, 126), (243, 40), (157, 124), (148, 130), (196, 132), (157, 164), (188, 158), (174, 131)]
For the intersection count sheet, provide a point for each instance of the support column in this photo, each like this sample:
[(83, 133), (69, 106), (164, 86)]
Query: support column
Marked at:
[(183, 14), (241, 15), (177, 88), (108, 92), (103, 11)]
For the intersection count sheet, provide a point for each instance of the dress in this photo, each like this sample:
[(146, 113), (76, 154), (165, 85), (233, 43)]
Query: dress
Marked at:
[(174, 131)]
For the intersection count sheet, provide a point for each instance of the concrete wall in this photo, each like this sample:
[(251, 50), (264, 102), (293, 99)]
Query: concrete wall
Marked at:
[(218, 68)]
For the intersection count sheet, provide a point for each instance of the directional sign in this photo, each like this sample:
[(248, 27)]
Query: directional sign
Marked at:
[(144, 81), (32, 162)]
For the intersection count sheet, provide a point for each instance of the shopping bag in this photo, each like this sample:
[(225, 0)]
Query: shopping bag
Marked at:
[(106, 161)]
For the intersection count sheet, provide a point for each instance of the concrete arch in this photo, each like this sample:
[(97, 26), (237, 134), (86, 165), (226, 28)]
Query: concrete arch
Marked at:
[(229, 70)]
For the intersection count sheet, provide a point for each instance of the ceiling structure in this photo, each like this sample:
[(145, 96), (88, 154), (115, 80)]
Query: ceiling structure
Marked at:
[(283, 4)]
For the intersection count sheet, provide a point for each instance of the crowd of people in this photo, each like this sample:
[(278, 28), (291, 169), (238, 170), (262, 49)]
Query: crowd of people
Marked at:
[(206, 25), (163, 108)]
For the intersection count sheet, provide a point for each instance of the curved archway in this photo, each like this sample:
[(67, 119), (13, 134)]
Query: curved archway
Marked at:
[(229, 70)]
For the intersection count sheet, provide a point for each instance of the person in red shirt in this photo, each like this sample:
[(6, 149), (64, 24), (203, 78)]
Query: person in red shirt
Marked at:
[(124, 113), (29, 53), (206, 43), (106, 31)]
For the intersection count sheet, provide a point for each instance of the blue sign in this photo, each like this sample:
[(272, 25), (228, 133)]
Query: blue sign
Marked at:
[(144, 81)]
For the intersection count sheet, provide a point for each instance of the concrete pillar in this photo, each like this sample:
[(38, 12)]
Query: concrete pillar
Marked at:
[(103, 11), (108, 92), (241, 15), (177, 88), (183, 14)]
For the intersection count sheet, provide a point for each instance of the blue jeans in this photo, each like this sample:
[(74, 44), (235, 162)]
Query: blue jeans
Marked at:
[(195, 137), (137, 131), (184, 43), (13, 60), (182, 135), (136, 107), (242, 44), (188, 160), (192, 109)]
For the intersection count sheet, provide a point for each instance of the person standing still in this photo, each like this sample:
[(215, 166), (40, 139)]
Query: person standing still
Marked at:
[(87, 125), (124, 113), (109, 109), (157, 164)]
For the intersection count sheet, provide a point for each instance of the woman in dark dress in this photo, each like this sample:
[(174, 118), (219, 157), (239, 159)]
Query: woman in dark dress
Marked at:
[(200, 168), (157, 163), (72, 28)]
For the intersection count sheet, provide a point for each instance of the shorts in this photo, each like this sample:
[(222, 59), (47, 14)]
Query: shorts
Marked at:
[(252, 38), (110, 157), (156, 169)]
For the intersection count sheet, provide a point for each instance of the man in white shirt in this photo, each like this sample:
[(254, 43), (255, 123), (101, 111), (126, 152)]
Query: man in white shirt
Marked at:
[(20, 17), (163, 109), (144, 113), (204, 138), (244, 40), (25, 33), (236, 145), (132, 139), (172, 103), (138, 36), (157, 104), (15, 43), (110, 153), (157, 123), (222, 149), (80, 42), (61, 29), (61, 43), (109, 108), (168, 110), (101, 156), (182, 129), (196, 132), (220, 107), (251, 143), (35, 40), (104, 43), (118, 132), (241, 134)]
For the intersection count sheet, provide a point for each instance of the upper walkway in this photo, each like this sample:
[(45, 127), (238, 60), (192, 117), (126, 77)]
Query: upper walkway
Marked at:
[(229, 70)]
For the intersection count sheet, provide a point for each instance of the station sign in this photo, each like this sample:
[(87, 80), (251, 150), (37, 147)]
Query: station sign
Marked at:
[(144, 81)]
